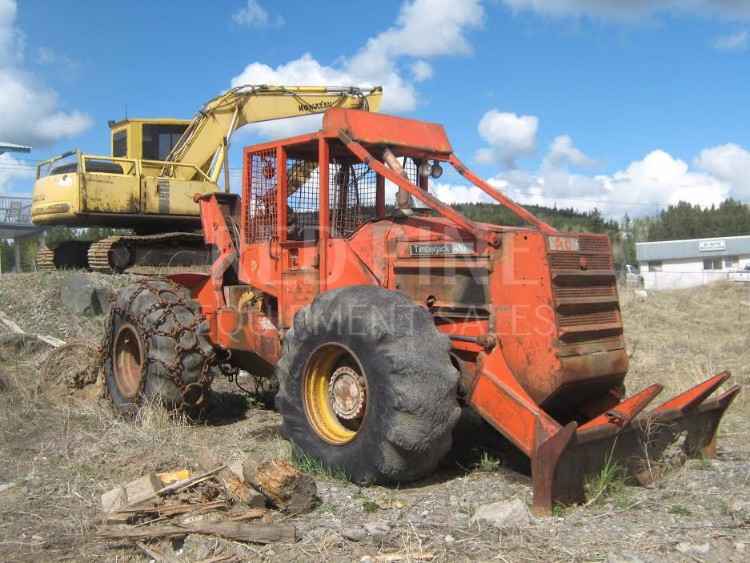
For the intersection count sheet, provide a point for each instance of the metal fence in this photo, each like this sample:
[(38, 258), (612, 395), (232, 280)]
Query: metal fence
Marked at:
[(15, 210)]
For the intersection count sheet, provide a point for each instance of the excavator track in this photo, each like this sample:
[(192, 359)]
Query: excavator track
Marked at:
[(149, 254), (67, 255), (45, 260)]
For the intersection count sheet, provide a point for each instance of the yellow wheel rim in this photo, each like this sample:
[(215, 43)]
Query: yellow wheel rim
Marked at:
[(335, 394)]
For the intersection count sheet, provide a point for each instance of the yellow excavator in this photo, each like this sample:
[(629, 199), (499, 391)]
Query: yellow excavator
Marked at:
[(156, 167)]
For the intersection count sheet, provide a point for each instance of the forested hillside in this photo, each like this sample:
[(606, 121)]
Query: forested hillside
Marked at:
[(562, 219)]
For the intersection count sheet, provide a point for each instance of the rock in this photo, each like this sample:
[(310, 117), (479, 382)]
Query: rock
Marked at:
[(641, 294), (740, 509), (693, 549), (13, 345), (625, 557), (104, 298), (5, 486), (79, 296), (377, 528), (354, 534), (506, 514)]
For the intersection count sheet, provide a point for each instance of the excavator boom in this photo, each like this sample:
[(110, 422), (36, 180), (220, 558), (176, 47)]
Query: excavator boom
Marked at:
[(205, 142)]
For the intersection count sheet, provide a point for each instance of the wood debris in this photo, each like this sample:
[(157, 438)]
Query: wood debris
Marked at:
[(218, 502)]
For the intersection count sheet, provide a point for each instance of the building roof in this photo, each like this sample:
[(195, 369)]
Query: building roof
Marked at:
[(12, 147), (692, 248)]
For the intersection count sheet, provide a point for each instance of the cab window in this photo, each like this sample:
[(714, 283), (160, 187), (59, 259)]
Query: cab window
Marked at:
[(158, 140), (120, 143)]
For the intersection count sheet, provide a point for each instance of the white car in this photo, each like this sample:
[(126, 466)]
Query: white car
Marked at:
[(740, 275)]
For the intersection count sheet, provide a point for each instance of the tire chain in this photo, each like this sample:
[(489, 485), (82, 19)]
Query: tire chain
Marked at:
[(173, 370)]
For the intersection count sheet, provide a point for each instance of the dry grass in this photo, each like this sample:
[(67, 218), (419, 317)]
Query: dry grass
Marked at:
[(680, 338), (63, 455)]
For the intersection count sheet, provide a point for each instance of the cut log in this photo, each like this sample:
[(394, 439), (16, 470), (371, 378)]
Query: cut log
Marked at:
[(114, 499), (237, 531), (133, 493), (252, 514), (242, 492), (232, 479), (286, 487), (142, 489)]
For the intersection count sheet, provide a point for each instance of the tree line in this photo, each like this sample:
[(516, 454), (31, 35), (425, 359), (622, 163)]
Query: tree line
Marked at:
[(680, 221)]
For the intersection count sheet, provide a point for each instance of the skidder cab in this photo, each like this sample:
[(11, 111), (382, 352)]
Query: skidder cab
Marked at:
[(383, 311)]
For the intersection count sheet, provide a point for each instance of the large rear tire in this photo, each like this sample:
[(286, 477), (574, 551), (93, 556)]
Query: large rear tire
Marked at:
[(367, 387), (156, 352)]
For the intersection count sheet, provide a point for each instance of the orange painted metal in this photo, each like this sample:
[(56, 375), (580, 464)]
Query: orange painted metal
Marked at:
[(622, 414), (388, 130), (533, 314), (695, 396)]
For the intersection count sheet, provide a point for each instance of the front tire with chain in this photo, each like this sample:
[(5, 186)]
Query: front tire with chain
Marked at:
[(367, 387), (155, 351)]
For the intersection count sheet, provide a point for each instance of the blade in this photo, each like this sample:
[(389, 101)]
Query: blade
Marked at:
[(638, 447)]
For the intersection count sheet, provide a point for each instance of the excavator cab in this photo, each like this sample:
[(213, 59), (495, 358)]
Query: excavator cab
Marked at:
[(146, 139)]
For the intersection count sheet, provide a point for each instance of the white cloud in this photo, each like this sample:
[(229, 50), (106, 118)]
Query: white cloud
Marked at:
[(563, 151), (255, 15), (729, 163), (424, 29), (634, 9), (421, 70), (509, 136), (11, 39), (642, 188), (734, 42), (13, 171), (457, 193), (29, 111)]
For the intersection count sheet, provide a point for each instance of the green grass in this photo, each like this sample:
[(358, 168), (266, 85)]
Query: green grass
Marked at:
[(488, 463), (313, 466), (679, 510), (370, 506), (610, 482)]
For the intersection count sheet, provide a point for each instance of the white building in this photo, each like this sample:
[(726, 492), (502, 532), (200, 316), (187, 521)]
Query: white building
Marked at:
[(686, 263)]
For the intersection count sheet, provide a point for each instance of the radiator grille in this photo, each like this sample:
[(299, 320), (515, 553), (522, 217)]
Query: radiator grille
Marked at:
[(580, 261), (594, 244), (585, 292), (578, 318)]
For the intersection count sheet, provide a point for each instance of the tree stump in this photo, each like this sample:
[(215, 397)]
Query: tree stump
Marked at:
[(283, 485)]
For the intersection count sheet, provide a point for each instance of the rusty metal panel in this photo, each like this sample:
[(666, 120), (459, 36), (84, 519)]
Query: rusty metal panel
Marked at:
[(379, 129)]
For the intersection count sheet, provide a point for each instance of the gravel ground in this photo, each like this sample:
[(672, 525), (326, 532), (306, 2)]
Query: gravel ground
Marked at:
[(58, 457)]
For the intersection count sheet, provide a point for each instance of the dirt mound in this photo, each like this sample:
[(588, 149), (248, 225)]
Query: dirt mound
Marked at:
[(72, 370), (37, 302)]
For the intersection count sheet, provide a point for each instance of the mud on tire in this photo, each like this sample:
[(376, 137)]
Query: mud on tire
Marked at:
[(411, 405), (155, 351)]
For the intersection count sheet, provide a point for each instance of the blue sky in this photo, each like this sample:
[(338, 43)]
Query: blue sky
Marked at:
[(622, 105)]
